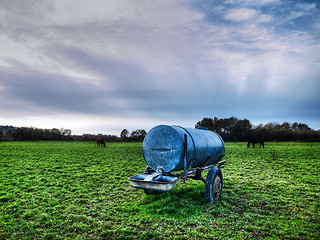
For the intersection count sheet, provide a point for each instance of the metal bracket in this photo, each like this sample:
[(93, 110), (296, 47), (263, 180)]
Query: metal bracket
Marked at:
[(220, 164), (198, 176), (160, 170)]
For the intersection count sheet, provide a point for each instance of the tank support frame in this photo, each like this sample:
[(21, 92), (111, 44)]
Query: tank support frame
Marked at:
[(195, 174)]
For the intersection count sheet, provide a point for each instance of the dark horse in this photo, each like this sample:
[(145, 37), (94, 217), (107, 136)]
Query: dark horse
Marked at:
[(256, 136), (253, 141), (101, 142)]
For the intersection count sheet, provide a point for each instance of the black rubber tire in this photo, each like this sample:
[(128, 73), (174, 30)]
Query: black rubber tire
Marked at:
[(214, 185)]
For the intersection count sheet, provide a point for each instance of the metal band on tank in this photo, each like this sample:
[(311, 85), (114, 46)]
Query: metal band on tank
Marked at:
[(194, 145), (204, 137), (220, 140)]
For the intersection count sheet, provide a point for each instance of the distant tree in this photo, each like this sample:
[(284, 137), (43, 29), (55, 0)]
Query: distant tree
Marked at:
[(286, 126), (225, 127), (6, 132), (124, 134), (272, 126), (261, 132), (241, 130), (303, 127), (217, 125), (294, 126), (66, 133), (206, 123), (19, 134), (233, 129), (89, 137), (138, 135), (229, 128), (3, 134), (56, 134)]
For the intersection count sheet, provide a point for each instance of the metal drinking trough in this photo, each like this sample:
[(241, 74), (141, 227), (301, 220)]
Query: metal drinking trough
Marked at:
[(169, 149)]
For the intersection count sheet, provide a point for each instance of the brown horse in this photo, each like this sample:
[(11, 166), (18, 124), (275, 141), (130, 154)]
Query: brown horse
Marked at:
[(101, 142)]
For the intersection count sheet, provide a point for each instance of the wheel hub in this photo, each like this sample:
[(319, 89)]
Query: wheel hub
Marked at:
[(217, 186)]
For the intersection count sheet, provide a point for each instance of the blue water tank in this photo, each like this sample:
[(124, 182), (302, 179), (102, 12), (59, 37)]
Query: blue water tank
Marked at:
[(163, 147)]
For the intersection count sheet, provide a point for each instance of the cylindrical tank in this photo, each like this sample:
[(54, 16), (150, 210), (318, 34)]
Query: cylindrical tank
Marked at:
[(163, 147)]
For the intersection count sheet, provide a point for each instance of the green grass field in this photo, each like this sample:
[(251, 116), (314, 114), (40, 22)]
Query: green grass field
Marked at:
[(72, 190)]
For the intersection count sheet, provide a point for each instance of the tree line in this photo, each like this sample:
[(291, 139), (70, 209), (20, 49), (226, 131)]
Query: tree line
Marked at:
[(230, 129), (33, 134), (125, 136), (234, 129), (10, 133)]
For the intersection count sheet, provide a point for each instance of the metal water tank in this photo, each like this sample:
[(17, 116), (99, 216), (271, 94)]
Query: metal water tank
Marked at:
[(165, 147)]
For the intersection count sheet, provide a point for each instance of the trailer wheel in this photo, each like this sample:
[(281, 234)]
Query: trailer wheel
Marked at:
[(214, 185)]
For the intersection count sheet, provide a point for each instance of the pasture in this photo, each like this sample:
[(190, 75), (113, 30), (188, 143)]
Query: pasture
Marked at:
[(74, 190)]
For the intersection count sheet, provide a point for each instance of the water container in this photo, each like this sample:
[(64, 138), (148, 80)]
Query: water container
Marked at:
[(164, 147)]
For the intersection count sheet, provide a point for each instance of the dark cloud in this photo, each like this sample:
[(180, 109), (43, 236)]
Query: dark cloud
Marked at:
[(48, 91)]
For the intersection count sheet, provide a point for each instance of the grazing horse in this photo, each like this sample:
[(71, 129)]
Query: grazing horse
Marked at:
[(255, 141), (101, 142)]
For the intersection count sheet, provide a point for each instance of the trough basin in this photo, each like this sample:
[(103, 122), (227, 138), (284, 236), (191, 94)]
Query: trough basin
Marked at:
[(153, 182)]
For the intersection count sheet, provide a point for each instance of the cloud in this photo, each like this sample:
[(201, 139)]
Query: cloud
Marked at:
[(306, 7), (125, 31), (252, 2), (168, 61), (241, 14), (264, 18)]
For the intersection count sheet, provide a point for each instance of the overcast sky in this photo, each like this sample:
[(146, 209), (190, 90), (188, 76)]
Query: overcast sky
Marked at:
[(102, 66)]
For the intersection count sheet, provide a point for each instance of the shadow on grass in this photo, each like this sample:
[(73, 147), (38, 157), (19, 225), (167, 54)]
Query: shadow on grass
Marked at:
[(183, 201), (187, 201)]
